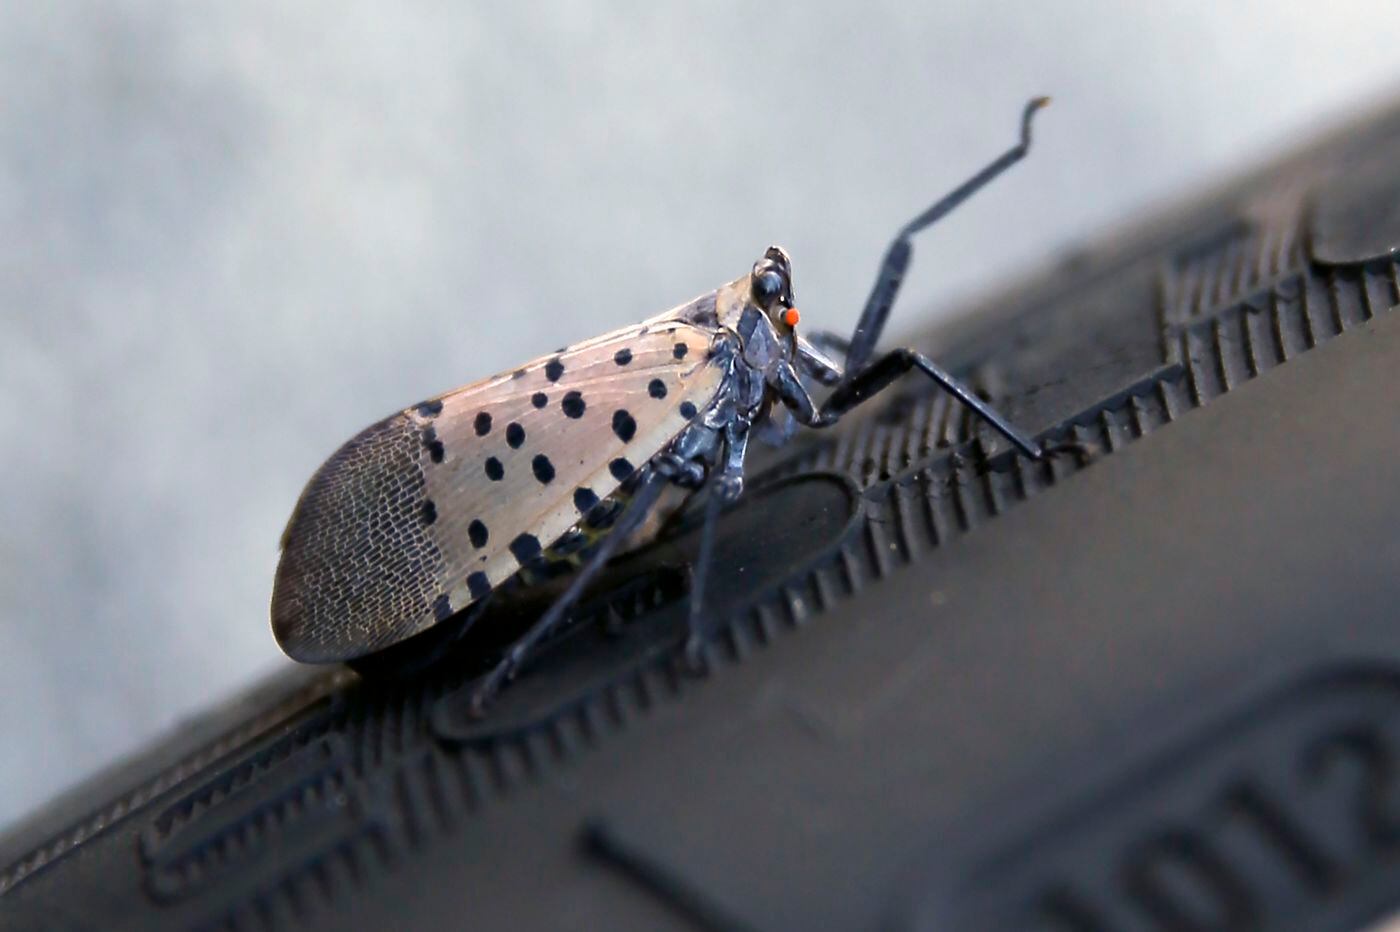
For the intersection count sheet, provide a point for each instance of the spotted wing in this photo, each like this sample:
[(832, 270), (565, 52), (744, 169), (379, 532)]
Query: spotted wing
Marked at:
[(425, 512)]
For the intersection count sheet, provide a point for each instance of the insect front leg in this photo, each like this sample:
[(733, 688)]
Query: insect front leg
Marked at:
[(816, 356), (795, 397), (816, 360)]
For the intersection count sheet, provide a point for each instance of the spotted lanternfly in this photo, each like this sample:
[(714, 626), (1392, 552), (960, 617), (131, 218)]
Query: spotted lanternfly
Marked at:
[(432, 509)]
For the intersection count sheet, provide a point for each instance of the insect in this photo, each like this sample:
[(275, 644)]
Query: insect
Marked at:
[(431, 510)]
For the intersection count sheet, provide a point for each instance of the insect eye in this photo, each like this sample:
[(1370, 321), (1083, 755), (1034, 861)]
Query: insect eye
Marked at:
[(767, 287)]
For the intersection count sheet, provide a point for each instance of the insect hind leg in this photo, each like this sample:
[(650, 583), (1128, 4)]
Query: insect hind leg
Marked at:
[(899, 253), (643, 499), (876, 377), (863, 379)]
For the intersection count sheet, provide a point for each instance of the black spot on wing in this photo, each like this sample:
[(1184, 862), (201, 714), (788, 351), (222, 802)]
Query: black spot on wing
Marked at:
[(494, 470), (436, 451), (687, 410), (657, 388), (621, 468), (573, 405), (429, 512), (478, 533), (515, 435), (624, 425), (553, 369), (539, 399), (584, 499), (430, 408), (525, 548), (482, 423), (543, 468), (518, 374), (478, 585), (623, 356), (442, 608), (679, 350)]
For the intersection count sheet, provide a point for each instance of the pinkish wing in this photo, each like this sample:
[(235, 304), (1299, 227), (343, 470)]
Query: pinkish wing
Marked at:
[(425, 512)]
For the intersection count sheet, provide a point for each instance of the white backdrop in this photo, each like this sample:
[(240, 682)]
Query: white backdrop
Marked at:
[(232, 236)]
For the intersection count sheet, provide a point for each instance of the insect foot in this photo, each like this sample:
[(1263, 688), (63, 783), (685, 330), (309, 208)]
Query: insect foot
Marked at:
[(728, 488), (695, 655), (489, 687), (1083, 453)]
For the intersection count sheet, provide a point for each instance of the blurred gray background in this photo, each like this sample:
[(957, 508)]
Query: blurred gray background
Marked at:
[(232, 235)]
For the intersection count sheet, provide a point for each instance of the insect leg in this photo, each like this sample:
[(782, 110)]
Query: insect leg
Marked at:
[(642, 501), (877, 376), (874, 378), (698, 635), (816, 356), (896, 260), (730, 481), (725, 489), (796, 398)]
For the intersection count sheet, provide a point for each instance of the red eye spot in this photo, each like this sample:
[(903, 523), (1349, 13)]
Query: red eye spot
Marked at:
[(791, 317)]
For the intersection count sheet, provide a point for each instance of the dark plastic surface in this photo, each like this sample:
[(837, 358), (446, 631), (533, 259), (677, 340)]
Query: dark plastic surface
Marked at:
[(1157, 690)]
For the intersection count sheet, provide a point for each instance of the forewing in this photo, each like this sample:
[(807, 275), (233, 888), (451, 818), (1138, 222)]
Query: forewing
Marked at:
[(425, 512)]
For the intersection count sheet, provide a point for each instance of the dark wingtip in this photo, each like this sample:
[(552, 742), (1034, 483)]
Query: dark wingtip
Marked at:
[(287, 628), (294, 630), (324, 608)]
